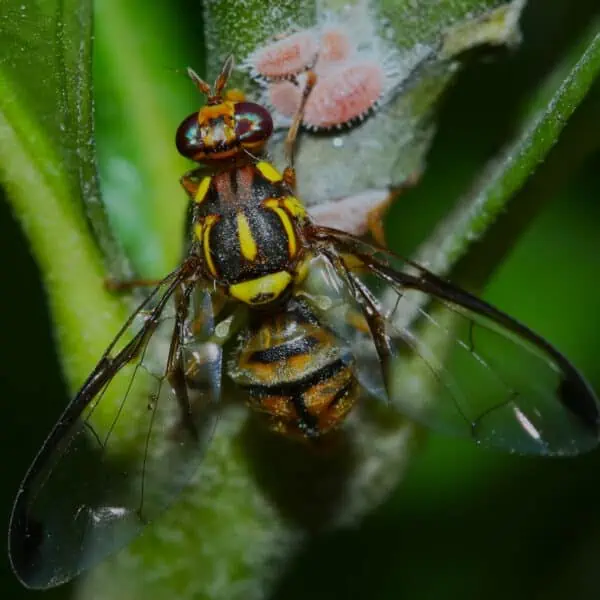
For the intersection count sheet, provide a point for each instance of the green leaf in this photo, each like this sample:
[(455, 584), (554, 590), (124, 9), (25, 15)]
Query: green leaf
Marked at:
[(143, 94), (47, 168)]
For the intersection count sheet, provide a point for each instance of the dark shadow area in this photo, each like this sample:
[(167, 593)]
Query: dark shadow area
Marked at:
[(510, 540), (305, 480), (31, 385)]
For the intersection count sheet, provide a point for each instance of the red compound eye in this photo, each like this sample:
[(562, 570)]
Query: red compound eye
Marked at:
[(253, 123), (187, 138)]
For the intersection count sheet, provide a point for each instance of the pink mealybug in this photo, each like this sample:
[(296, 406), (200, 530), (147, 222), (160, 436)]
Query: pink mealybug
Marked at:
[(334, 46), (341, 95), (352, 76), (285, 57)]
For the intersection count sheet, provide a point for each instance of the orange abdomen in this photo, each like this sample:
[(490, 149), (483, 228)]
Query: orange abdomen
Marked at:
[(296, 372)]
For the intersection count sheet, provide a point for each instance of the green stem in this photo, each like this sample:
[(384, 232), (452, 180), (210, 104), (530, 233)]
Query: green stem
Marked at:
[(47, 181)]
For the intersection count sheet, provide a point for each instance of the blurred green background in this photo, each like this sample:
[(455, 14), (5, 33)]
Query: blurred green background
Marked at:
[(465, 523)]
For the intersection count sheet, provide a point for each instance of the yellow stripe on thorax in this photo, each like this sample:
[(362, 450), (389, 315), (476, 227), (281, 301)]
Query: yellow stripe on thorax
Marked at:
[(290, 232), (247, 243), (269, 171), (208, 224), (202, 189)]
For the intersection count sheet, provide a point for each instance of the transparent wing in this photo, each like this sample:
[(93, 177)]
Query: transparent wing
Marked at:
[(450, 360), (127, 443)]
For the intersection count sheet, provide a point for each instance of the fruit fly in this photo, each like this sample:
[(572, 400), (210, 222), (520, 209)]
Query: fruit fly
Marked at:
[(302, 320)]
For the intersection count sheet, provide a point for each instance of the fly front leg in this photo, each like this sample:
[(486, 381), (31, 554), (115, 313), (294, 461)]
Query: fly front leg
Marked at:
[(128, 285), (191, 181), (289, 174)]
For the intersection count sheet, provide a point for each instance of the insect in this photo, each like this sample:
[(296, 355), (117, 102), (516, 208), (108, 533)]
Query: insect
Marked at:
[(303, 320), (348, 87), (356, 71)]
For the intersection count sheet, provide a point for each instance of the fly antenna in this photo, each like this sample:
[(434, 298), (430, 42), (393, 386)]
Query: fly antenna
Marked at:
[(223, 77), (213, 94), (199, 82)]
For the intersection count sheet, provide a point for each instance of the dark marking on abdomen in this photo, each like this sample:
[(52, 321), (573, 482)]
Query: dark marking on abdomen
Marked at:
[(283, 352), (298, 387)]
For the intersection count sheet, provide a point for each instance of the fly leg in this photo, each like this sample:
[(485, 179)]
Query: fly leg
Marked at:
[(175, 367), (190, 181), (376, 214), (289, 174), (127, 285)]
